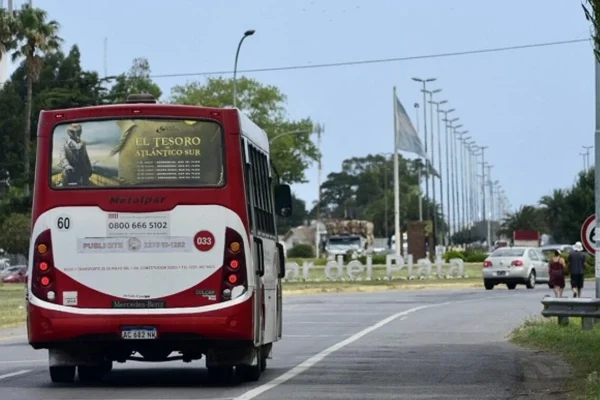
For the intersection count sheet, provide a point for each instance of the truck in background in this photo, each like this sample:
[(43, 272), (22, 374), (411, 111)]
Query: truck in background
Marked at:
[(348, 238), (524, 238)]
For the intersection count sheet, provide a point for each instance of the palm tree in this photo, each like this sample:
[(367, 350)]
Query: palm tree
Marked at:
[(7, 32), (36, 37), (526, 218)]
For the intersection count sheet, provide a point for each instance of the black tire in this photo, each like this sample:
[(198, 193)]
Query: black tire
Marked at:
[(531, 280), (263, 360), (62, 374), (107, 366), (90, 374), (511, 286), (488, 285), (220, 374), (252, 373), (249, 373)]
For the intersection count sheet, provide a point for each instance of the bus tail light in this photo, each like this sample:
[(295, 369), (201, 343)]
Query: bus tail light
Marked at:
[(234, 266), (43, 282)]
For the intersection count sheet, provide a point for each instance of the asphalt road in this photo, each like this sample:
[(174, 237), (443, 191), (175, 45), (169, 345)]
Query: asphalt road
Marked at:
[(389, 345)]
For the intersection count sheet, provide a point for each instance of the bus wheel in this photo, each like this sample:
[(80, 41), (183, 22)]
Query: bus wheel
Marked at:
[(263, 359), (249, 372), (107, 366), (62, 374), (252, 373), (220, 373), (89, 374)]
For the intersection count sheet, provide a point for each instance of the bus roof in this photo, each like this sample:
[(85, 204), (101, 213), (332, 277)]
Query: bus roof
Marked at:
[(247, 127), (253, 132)]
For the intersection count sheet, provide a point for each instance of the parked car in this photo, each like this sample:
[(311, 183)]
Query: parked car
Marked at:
[(548, 250), (515, 266), (17, 276), (11, 269)]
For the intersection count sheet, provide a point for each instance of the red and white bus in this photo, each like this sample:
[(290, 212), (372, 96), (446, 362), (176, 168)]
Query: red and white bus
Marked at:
[(153, 239)]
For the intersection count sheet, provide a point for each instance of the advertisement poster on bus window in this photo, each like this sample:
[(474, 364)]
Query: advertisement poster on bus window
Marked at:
[(137, 152)]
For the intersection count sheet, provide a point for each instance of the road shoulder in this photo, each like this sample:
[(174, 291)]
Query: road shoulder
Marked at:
[(543, 375)]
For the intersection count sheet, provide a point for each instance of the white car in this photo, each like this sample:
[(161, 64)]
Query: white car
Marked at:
[(515, 265)]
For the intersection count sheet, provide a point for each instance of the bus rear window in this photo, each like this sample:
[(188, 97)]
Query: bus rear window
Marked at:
[(137, 153)]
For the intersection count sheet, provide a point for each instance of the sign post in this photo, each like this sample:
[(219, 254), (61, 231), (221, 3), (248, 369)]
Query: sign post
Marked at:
[(588, 235)]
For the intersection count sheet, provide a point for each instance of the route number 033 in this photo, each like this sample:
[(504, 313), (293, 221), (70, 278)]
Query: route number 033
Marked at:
[(63, 223), (204, 241)]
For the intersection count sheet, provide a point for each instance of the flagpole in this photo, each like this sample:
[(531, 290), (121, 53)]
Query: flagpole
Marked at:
[(397, 233)]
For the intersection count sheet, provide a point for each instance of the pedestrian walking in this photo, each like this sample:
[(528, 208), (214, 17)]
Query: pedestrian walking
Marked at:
[(577, 260), (556, 271)]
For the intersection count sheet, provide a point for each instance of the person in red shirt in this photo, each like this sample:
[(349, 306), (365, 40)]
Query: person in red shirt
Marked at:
[(556, 271)]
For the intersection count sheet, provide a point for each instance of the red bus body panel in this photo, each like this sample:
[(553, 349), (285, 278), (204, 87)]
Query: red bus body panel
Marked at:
[(234, 322)]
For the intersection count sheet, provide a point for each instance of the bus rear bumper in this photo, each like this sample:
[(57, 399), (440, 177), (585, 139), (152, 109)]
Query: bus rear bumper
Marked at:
[(50, 328)]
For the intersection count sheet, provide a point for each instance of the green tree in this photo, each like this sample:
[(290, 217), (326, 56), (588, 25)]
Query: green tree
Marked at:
[(136, 80), (527, 218), (62, 84), (265, 105), (363, 189), (35, 37), (14, 233), (7, 33), (592, 14)]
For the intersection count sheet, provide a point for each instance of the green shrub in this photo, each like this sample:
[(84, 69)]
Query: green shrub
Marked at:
[(453, 254), (475, 257), (301, 251), (376, 259)]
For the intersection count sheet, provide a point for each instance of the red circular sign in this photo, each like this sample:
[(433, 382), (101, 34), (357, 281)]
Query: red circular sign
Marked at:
[(588, 231), (204, 240)]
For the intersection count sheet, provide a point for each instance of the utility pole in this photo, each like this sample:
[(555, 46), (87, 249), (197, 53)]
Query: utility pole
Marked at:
[(318, 130)]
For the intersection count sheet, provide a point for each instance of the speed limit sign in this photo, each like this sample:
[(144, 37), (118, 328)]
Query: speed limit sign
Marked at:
[(588, 234)]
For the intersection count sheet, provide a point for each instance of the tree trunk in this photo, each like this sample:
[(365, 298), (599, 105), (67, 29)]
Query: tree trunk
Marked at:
[(27, 134)]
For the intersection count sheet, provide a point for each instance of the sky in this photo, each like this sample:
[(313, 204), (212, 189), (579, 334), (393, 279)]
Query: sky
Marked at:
[(533, 107)]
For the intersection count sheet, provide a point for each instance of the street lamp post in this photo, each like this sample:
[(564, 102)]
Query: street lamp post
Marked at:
[(237, 53), (457, 190), (419, 168), (439, 143), (433, 203), (453, 162), (583, 156), (463, 175), (468, 209), (448, 124), (488, 182), (424, 90), (587, 155)]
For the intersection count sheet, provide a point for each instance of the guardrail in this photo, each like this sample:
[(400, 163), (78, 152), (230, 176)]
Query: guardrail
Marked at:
[(588, 309)]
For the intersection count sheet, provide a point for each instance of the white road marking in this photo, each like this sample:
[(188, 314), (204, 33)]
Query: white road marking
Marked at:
[(325, 322), (300, 368), (316, 336), (21, 372), (297, 370), (24, 361)]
